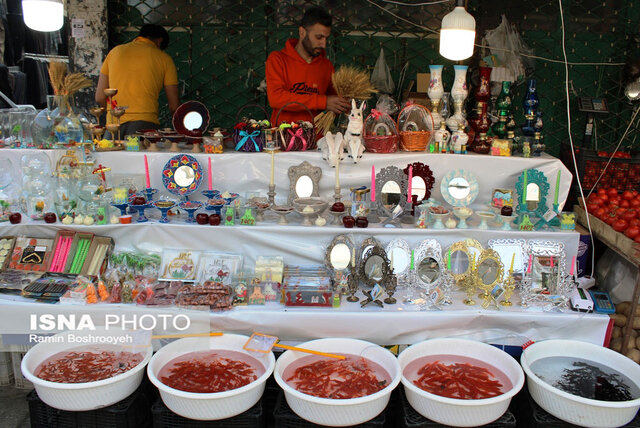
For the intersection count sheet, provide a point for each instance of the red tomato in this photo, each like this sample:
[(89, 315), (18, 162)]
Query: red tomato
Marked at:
[(632, 232), (612, 192), (634, 222), (601, 191), (634, 193), (635, 203), (614, 200), (620, 225), (627, 195), (628, 215), (619, 212), (609, 220), (594, 198), (637, 239), (604, 197), (600, 213), (624, 203), (591, 207)]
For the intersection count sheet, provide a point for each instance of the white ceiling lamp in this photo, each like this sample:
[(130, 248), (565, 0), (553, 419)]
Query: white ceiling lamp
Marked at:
[(458, 34), (43, 15)]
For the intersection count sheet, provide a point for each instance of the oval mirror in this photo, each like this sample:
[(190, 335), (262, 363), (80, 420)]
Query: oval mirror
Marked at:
[(418, 187), (459, 188), (184, 176), (488, 271), (340, 256), (304, 186), (391, 195), (429, 270), (459, 262), (399, 260), (192, 120), (533, 196), (364, 251), (373, 268)]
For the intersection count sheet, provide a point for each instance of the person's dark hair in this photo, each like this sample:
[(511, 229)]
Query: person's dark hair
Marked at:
[(316, 15), (153, 31)]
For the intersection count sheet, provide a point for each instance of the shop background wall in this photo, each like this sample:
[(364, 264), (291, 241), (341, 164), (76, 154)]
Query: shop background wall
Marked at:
[(220, 46)]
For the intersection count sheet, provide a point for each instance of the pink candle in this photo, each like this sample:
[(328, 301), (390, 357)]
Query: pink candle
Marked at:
[(530, 263), (551, 262), (146, 172), (373, 183), (410, 179), (209, 177), (573, 263)]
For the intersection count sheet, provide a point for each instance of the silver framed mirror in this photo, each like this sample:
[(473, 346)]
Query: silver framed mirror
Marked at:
[(399, 255), (509, 249), (303, 181), (547, 269), (391, 190), (375, 268), (429, 266), (339, 255)]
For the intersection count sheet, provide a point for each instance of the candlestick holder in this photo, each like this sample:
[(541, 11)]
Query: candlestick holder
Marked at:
[(470, 289), (353, 285), (164, 207), (337, 217), (149, 192), (508, 286), (140, 209), (390, 288), (118, 112), (190, 207), (272, 194), (211, 194), (337, 196), (122, 207)]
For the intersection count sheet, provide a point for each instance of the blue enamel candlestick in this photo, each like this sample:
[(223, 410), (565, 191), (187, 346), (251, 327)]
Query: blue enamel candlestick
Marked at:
[(122, 207), (149, 192), (164, 207), (211, 194), (190, 207), (140, 209)]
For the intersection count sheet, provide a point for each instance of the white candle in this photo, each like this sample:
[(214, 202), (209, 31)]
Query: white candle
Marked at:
[(272, 160), (338, 174)]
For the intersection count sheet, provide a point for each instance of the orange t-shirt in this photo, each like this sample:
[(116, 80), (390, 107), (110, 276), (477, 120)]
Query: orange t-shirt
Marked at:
[(139, 70), (291, 78)]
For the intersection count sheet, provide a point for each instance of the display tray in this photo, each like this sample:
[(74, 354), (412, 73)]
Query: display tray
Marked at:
[(132, 412), (165, 418)]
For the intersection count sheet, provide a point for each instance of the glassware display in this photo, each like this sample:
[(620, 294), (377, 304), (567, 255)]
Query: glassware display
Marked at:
[(37, 196), (7, 189), (66, 125)]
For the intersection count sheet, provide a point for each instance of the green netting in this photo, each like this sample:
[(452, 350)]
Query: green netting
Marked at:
[(220, 47)]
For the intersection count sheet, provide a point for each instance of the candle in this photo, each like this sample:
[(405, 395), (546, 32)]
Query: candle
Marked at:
[(513, 258), (449, 260), (409, 187), (146, 172), (524, 189), (573, 263), (353, 259), (411, 267), (273, 154), (555, 197), (530, 263), (373, 183), (338, 174), (551, 263), (209, 177)]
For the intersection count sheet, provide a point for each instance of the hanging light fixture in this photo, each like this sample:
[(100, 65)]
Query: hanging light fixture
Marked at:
[(43, 15), (458, 34)]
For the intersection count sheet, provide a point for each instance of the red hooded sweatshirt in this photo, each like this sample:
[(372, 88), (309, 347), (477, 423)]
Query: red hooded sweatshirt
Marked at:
[(291, 78)]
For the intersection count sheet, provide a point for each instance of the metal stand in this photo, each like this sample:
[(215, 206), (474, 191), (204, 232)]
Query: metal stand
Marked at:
[(272, 194)]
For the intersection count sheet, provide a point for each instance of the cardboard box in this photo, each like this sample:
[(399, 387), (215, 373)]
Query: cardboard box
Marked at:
[(422, 81), (6, 250), (96, 261), (54, 261), (74, 248)]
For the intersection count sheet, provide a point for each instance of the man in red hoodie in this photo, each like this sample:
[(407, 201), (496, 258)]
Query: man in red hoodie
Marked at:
[(301, 72)]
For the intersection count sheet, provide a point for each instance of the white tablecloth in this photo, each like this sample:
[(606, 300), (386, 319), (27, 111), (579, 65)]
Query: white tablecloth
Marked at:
[(249, 172)]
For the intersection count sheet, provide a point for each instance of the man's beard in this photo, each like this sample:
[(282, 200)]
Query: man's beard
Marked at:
[(306, 44)]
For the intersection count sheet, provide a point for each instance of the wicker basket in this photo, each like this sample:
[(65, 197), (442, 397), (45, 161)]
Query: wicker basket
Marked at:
[(249, 138), (373, 141), (298, 139), (416, 128)]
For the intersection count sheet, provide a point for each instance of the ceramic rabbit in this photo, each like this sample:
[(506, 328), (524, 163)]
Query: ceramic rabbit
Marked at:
[(353, 136), (332, 147)]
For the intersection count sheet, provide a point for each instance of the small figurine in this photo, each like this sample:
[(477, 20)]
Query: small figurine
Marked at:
[(525, 223), (240, 295), (256, 298), (247, 218), (229, 217)]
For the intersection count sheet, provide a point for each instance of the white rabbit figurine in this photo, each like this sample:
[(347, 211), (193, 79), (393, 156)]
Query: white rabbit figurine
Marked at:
[(332, 147), (353, 136)]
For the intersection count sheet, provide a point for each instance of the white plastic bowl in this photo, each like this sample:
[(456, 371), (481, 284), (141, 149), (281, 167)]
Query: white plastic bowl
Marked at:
[(338, 413), (215, 405), (572, 408), (78, 397), (458, 412)]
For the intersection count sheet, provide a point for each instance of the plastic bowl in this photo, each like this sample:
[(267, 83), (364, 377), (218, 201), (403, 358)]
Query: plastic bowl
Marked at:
[(458, 412), (215, 405), (338, 413), (572, 408), (79, 397)]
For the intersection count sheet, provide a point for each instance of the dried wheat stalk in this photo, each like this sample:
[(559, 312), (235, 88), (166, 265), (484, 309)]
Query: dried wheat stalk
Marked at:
[(57, 73)]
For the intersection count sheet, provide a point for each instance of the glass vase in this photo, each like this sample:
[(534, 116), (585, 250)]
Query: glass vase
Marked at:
[(66, 125), (483, 92)]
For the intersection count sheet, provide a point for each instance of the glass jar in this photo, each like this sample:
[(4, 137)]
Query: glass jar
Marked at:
[(67, 126), (359, 201)]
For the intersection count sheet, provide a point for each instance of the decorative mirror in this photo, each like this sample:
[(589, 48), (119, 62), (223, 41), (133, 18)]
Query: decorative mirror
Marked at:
[(303, 181), (191, 119), (182, 175), (459, 188), (365, 246), (430, 267), (512, 249), (375, 268), (458, 260), (547, 270), (399, 258), (532, 189), (340, 254), (421, 181), (474, 247), (489, 269), (391, 190)]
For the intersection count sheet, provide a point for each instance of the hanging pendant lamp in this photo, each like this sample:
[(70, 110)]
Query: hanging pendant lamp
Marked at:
[(43, 15), (457, 34)]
